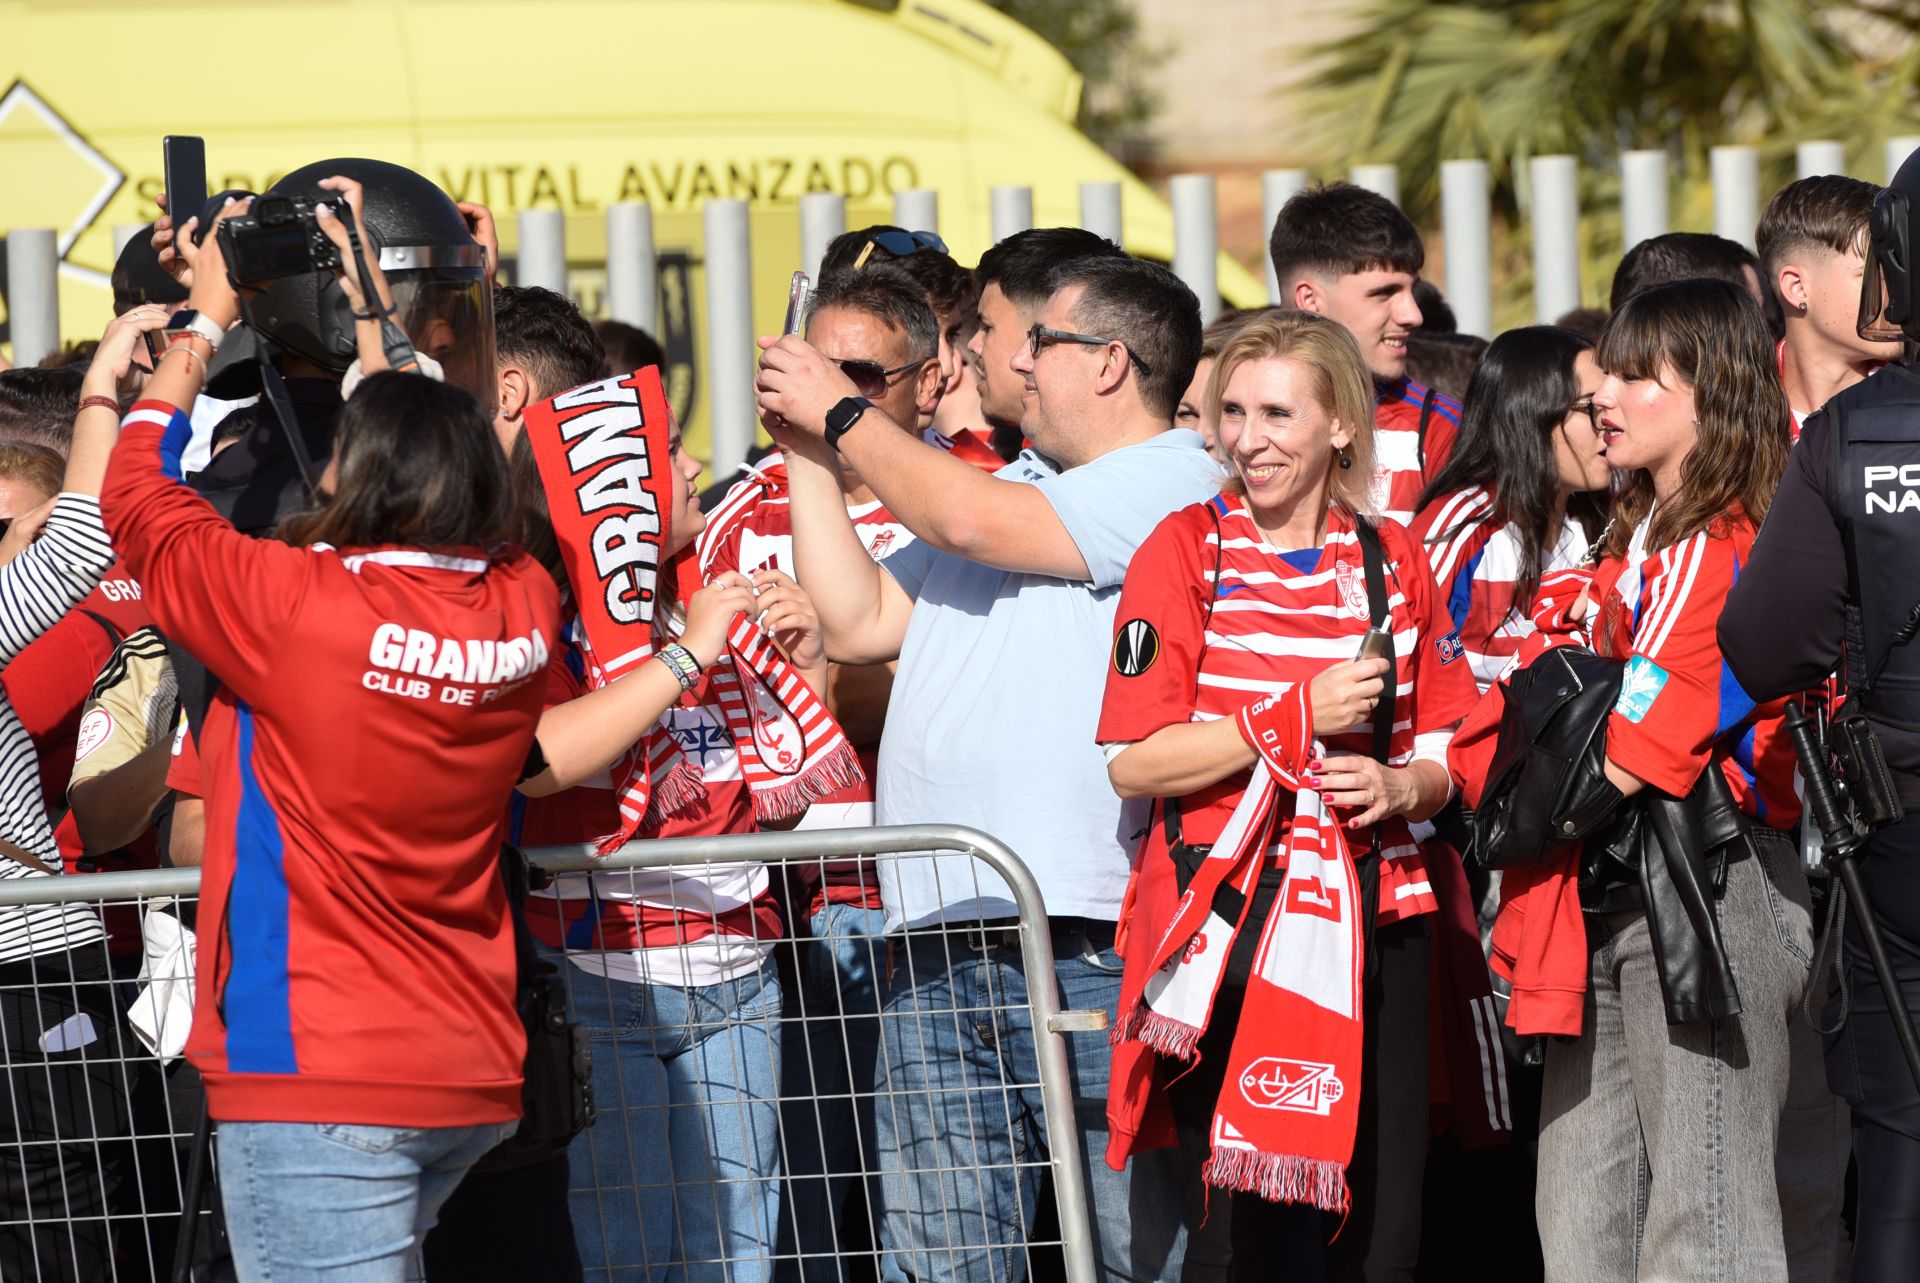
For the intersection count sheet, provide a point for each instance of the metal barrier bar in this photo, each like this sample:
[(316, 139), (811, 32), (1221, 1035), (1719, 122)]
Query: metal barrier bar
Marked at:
[(1384, 179), (1821, 156), (1012, 211), (1555, 184), (542, 256), (144, 1214), (1100, 210), (731, 355), (633, 268), (33, 293), (1277, 187), (917, 209), (1196, 239), (1466, 219), (823, 216), (1736, 193), (1643, 196)]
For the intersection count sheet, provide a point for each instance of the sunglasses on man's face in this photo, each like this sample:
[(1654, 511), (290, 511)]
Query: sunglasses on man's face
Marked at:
[(871, 379)]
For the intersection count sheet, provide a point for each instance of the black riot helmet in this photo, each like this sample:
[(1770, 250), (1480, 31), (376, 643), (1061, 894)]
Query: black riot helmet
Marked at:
[(438, 273), (1889, 309)]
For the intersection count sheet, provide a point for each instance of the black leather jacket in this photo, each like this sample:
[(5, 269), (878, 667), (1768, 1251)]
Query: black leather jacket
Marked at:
[(1547, 790)]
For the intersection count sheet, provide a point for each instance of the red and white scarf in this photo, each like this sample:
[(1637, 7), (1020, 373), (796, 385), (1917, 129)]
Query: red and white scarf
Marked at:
[(606, 467), (1284, 1125)]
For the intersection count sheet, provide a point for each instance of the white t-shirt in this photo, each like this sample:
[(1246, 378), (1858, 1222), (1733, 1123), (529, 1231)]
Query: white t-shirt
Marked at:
[(1001, 675)]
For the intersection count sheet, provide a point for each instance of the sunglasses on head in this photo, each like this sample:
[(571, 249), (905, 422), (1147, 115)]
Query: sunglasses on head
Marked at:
[(906, 244), (870, 378)]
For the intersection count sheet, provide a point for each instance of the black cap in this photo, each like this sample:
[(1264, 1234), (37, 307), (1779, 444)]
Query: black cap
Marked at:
[(138, 277)]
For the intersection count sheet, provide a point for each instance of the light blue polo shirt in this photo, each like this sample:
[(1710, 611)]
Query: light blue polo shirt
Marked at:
[(991, 723)]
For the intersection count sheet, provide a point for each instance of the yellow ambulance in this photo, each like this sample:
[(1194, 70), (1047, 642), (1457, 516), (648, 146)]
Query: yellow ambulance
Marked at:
[(567, 104)]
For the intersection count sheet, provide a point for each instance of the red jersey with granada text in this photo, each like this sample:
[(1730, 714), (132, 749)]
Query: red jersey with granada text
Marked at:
[(1680, 706), (1213, 617), (376, 705), (1403, 459)]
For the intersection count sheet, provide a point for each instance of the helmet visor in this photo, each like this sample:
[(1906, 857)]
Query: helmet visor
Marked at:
[(1886, 290), (443, 301)]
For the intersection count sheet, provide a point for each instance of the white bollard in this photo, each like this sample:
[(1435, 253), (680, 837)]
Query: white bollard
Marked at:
[(1736, 192), (731, 355), (633, 268), (33, 293), (1643, 196), (124, 232), (1466, 221), (1898, 149), (1277, 187), (1820, 157), (917, 209), (823, 216), (1555, 184), (543, 249), (1100, 210), (1012, 211), (1196, 239), (1384, 179)]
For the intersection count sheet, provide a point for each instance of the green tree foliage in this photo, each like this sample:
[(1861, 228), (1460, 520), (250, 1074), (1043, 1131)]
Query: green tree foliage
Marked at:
[(1423, 81), (1101, 38)]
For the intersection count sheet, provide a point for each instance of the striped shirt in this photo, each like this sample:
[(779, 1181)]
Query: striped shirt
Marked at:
[(1404, 457), (1680, 706), (53, 574), (1213, 617), (1476, 563)]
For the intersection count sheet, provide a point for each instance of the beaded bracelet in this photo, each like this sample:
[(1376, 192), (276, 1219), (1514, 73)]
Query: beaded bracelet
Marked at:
[(681, 663)]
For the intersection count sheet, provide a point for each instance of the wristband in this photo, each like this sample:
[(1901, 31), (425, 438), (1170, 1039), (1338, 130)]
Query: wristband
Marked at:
[(681, 663), (104, 402)]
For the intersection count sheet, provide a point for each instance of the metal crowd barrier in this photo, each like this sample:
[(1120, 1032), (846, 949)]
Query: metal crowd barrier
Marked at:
[(790, 1122)]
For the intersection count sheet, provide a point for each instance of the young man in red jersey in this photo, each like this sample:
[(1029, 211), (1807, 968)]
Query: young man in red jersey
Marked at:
[(1350, 254), (1812, 241)]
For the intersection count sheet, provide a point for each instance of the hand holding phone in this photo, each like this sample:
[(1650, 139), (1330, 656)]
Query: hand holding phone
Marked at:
[(799, 295), (184, 159), (1375, 644)]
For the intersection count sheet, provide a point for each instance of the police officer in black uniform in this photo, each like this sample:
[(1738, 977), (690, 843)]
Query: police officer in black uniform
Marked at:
[(1834, 583)]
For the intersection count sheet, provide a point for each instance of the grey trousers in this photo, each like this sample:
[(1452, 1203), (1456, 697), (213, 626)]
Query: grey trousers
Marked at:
[(1657, 1141)]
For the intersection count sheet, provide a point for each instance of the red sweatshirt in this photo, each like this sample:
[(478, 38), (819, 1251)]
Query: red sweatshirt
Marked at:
[(357, 961)]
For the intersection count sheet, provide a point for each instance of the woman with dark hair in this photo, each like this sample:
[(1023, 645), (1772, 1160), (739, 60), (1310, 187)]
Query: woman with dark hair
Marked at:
[(1662, 1096), (1523, 493), (354, 1016)]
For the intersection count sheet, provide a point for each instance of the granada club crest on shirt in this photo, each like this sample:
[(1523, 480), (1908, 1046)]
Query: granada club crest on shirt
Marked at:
[(1303, 1086), (1353, 589), (776, 732), (1135, 647)]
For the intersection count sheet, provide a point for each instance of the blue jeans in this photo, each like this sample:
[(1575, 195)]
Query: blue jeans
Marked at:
[(830, 1043), (679, 1177), (339, 1202), (960, 1124)]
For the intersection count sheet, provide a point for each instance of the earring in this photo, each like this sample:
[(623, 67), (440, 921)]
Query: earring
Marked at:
[(1346, 461)]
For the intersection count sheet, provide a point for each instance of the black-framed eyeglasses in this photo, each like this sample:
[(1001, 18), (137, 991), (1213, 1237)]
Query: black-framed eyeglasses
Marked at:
[(1041, 335), (906, 244), (1586, 406), (870, 378)]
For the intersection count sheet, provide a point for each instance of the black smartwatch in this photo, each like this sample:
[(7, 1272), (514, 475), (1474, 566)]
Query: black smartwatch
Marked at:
[(844, 415)]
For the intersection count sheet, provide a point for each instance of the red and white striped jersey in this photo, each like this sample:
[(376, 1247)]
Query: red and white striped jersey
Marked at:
[(1402, 461), (1476, 563), (1680, 705), (1213, 617), (968, 445), (694, 925), (752, 529)]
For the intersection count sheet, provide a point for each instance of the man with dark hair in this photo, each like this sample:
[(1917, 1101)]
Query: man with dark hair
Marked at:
[(1350, 254), (629, 348), (1680, 256), (877, 326), (1016, 280), (1812, 240), (1010, 589), (38, 405), (541, 345)]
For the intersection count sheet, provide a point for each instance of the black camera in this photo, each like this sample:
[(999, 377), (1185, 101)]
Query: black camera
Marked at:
[(278, 237)]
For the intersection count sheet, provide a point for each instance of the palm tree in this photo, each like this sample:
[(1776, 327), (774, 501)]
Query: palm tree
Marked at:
[(1423, 81)]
